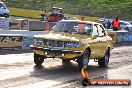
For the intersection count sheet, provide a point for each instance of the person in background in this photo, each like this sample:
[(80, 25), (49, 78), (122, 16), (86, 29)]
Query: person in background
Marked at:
[(42, 17), (82, 18), (108, 24), (116, 24), (104, 23)]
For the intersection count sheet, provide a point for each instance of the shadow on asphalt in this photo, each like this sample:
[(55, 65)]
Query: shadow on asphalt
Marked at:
[(123, 44), (70, 70), (20, 51), (4, 52)]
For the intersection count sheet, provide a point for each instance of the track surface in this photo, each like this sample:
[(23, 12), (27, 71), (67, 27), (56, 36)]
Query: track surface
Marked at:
[(17, 70)]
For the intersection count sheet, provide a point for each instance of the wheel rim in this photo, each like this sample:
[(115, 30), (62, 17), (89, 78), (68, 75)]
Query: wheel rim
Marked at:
[(107, 58), (86, 58)]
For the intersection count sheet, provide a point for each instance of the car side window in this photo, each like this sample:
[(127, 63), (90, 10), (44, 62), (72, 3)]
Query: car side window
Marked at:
[(103, 30), (100, 31), (81, 26), (88, 29), (95, 30), (85, 28)]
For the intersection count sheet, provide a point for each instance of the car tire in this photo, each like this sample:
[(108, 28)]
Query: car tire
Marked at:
[(38, 59), (6, 16), (127, 29), (65, 61), (84, 82), (84, 60), (103, 62)]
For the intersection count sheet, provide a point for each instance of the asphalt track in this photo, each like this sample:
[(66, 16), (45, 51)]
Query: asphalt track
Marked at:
[(17, 70)]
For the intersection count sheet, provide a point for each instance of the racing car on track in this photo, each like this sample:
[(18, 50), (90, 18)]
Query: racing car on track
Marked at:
[(74, 40)]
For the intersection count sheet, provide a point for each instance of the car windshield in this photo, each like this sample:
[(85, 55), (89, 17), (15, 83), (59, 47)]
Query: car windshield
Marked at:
[(125, 23), (75, 27), (2, 5), (65, 26)]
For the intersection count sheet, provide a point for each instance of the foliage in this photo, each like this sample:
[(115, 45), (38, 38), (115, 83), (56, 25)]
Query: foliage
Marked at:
[(98, 8)]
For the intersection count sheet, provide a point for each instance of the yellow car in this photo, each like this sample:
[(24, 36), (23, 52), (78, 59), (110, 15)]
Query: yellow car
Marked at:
[(74, 40)]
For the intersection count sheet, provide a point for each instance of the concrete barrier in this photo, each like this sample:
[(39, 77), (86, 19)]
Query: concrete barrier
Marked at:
[(10, 41), (21, 32), (36, 26), (123, 37), (39, 25), (19, 24), (15, 24), (118, 38), (112, 34), (4, 23), (24, 24), (23, 39), (27, 41)]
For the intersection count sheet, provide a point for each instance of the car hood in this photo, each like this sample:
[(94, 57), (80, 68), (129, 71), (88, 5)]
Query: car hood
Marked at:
[(4, 10), (129, 25), (52, 36)]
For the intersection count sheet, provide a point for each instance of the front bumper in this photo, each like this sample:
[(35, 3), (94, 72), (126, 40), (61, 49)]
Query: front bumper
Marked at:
[(56, 50), (4, 15)]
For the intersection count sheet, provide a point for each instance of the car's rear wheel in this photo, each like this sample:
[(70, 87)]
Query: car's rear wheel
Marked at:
[(38, 59), (127, 29), (103, 62), (84, 60)]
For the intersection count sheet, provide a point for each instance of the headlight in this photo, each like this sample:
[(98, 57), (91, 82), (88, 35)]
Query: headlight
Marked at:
[(72, 44), (38, 41)]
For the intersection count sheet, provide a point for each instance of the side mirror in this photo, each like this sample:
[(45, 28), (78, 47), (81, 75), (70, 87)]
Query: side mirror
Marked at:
[(95, 36)]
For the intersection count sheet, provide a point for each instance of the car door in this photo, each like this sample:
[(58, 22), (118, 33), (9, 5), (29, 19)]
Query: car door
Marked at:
[(95, 46), (102, 40), (86, 30)]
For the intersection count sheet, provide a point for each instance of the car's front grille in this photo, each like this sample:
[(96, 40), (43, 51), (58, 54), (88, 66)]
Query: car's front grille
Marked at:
[(54, 43)]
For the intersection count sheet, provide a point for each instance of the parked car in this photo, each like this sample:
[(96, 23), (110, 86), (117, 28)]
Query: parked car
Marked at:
[(4, 12), (126, 26), (74, 40)]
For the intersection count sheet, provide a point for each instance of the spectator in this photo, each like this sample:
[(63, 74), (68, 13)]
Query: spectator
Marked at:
[(108, 24), (43, 17), (116, 24), (82, 18), (104, 23)]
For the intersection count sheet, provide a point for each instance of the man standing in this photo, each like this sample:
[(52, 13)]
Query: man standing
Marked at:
[(116, 24), (108, 24)]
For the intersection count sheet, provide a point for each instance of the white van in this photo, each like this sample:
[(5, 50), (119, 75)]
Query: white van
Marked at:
[(4, 12)]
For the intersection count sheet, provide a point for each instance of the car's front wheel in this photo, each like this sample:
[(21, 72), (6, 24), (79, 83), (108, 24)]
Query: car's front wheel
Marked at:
[(84, 60), (38, 59), (103, 62)]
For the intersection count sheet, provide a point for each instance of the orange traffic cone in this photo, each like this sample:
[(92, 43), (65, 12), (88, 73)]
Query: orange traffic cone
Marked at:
[(84, 73), (86, 80)]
